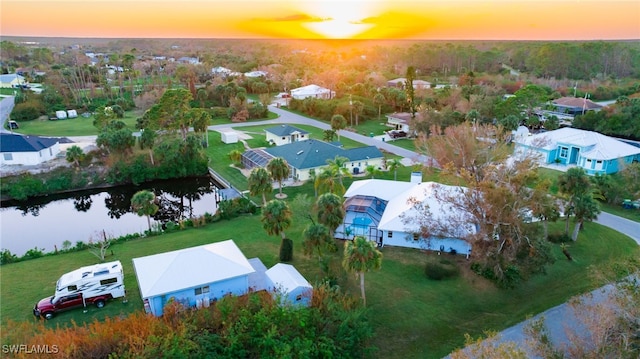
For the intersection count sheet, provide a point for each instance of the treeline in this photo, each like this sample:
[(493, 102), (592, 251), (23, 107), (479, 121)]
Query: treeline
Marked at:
[(622, 120), (250, 326)]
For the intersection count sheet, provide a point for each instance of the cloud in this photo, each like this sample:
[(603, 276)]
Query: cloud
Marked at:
[(294, 18)]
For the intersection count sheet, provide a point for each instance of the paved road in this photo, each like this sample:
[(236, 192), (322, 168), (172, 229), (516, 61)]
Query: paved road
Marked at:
[(292, 118), (557, 318), (622, 225), (6, 105)]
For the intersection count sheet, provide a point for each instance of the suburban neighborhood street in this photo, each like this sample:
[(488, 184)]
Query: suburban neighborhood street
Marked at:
[(556, 318), (292, 118)]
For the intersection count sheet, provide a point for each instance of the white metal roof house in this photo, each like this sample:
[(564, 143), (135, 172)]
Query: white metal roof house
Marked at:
[(402, 81), (391, 213), (196, 276), (592, 151), (283, 134), (255, 74), (192, 275), (27, 150), (287, 284), (312, 91)]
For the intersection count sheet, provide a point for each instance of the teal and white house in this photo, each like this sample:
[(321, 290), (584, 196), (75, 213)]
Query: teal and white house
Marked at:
[(568, 147)]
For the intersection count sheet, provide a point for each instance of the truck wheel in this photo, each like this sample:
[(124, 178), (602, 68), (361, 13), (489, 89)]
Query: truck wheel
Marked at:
[(48, 315), (100, 303)]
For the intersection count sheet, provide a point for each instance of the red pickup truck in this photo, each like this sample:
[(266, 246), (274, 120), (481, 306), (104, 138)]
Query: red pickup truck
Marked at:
[(47, 307)]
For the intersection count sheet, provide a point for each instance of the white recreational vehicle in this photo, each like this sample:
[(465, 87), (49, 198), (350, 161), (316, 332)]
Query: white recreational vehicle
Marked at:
[(91, 284)]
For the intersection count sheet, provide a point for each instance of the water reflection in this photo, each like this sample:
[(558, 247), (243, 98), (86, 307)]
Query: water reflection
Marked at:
[(47, 222)]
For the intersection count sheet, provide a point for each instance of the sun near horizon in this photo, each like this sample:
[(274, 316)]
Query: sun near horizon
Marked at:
[(325, 19)]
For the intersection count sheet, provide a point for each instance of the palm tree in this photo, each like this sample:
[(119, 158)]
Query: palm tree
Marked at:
[(316, 237), (379, 100), (360, 256), (573, 185), (338, 168), (586, 209), (75, 155), (200, 120), (328, 135), (392, 165), (314, 179), (358, 107), (235, 156), (276, 218), (144, 204), (279, 170), (259, 183), (372, 171), (338, 122), (330, 210)]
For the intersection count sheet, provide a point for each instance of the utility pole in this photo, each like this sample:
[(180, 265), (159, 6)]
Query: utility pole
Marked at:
[(351, 110)]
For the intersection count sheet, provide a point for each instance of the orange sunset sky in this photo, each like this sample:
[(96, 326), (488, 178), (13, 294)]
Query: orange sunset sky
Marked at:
[(358, 19)]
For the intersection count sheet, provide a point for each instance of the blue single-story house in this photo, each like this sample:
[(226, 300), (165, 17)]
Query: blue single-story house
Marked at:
[(192, 276), (392, 213), (592, 151), (198, 276), (302, 156)]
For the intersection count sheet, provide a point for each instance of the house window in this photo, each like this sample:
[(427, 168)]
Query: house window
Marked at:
[(598, 162), (283, 138), (8, 156), (108, 281), (564, 151), (390, 234), (50, 152), (416, 236), (202, 290), (299, 297)]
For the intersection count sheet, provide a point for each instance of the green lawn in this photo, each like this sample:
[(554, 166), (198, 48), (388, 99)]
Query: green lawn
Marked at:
[(427, 319), (413, 317), (79, 126)]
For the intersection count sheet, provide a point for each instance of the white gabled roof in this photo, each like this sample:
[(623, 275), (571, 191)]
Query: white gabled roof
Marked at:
[(386, 190), (286, 278), (402, 196), (309, 90), (190, 267), (601, 147)]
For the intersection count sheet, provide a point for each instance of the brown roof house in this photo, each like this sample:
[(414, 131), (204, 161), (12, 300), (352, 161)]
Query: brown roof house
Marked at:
[(575, 105)]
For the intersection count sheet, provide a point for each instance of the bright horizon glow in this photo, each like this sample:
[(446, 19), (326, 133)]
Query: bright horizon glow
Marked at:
[(320, 19)]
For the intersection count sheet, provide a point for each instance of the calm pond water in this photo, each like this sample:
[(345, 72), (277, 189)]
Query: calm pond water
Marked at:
[(80, 216)]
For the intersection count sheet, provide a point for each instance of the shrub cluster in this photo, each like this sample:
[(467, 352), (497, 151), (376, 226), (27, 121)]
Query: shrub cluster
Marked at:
[(250, 326)]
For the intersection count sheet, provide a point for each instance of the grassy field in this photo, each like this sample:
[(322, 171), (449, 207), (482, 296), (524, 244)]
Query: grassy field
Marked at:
[(79, 126), (413, 316), (428, 319)]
